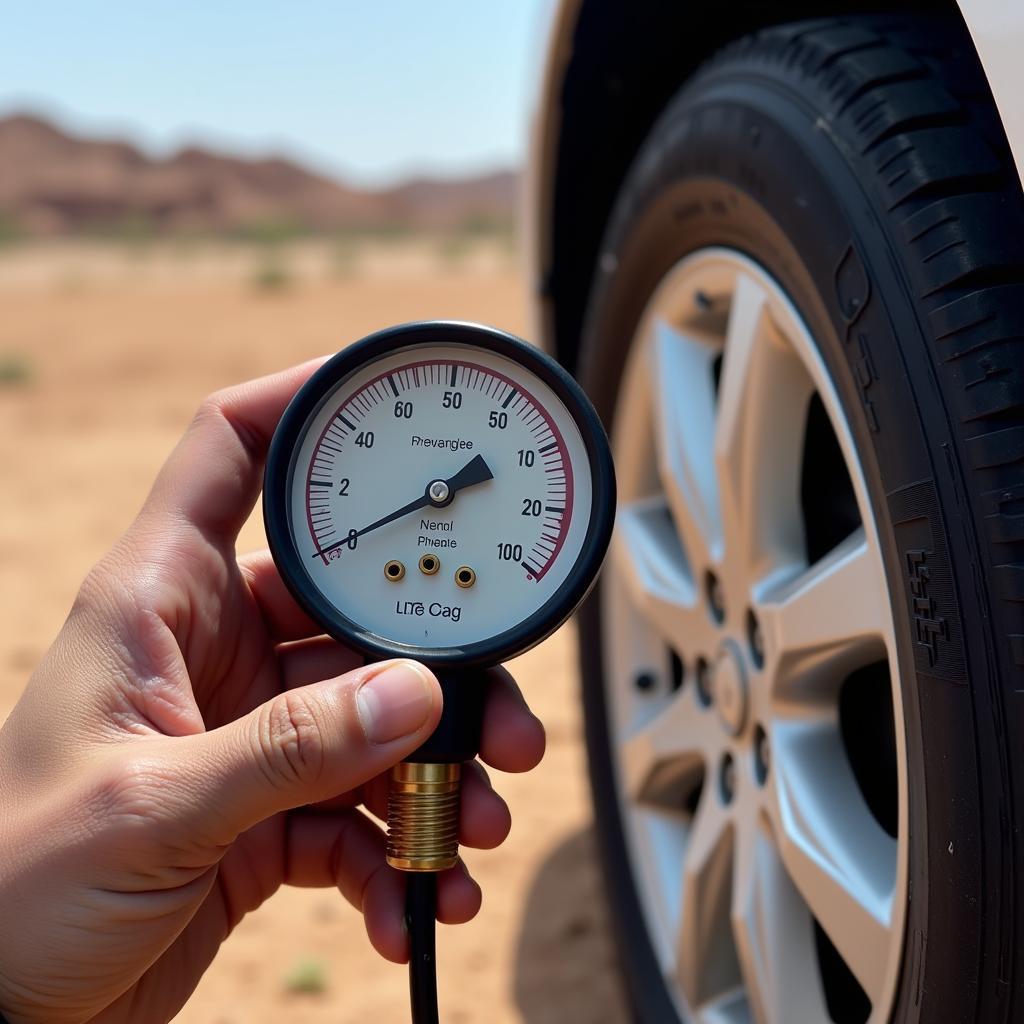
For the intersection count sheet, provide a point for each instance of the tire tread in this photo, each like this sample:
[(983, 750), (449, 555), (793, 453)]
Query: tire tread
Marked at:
[(917, 105)]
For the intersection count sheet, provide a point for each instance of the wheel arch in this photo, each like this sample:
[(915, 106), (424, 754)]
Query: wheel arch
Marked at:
[(609, 71)]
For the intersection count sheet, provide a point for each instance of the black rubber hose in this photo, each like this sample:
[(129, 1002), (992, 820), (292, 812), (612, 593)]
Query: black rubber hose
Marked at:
[(420, 911)]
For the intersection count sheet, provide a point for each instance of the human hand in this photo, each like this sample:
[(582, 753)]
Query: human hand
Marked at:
[(156, 777)]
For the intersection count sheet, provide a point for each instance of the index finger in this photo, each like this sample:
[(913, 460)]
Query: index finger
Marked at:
[(512, 738), (213, 476)]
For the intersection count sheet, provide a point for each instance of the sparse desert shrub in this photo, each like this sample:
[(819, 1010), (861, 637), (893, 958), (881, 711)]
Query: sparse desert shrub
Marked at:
[(10, 230), (452, 250), (272, 273), (344, 256), (15, 370), (271, 231), (308, 976)]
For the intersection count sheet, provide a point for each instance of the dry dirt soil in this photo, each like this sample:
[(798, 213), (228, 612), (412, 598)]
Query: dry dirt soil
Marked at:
[(103, 357)]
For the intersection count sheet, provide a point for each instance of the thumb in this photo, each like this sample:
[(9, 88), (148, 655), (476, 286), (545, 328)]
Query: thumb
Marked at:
[(306, 745)]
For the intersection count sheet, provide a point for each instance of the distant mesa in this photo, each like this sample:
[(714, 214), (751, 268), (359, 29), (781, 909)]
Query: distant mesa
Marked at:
[(53, 184)]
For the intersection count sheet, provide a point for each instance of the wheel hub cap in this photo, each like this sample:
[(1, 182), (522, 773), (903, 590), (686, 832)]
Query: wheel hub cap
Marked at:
[(729, 689)]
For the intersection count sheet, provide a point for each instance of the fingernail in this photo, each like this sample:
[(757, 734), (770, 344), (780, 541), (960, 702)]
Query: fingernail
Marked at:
[(395, 702)]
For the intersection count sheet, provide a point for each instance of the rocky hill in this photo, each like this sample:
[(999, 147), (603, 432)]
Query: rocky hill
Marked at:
[(53, 183)]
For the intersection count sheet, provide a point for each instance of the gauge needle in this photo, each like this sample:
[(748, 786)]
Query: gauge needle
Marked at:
[(437, 493)]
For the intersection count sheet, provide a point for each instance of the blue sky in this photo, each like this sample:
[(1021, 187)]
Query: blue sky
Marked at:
[(372, 90)]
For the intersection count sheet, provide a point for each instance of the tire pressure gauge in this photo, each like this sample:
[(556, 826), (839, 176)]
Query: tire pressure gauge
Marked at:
[(440, 491)]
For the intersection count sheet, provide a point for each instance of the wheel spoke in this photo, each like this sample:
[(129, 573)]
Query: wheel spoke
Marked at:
[(707, 962), (840, 860), (728, 1008), (774, 936), (646, 552), (684, 413), (664, 757), (828, 616), (762, 407)]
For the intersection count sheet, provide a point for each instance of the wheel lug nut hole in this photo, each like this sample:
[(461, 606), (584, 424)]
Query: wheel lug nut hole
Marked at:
[(755, 639), (704, 694), (429, 564), (394, 570), (714, 597), (727, 779), (644, 681), (678, 667), (762, 755)]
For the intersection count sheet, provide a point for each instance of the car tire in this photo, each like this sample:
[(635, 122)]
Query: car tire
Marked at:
[(858, 163)]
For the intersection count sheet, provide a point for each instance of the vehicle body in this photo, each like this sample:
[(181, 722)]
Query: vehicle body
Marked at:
[(843, 188)]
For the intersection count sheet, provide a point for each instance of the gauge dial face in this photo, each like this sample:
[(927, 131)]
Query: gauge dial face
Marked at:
[(439, 495)]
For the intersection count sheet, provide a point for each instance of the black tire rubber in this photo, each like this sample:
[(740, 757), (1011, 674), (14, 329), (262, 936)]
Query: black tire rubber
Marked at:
[(862, 162)]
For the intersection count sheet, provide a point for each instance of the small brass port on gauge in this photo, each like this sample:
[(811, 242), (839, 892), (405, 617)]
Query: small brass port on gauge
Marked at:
[(394, 570), (465, 577), (429, 564)]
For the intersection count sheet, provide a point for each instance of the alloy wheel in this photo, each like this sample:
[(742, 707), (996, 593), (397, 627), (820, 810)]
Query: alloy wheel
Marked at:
[(753, 689)]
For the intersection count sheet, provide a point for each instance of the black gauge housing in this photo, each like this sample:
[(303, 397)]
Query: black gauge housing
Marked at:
[(306, 404)]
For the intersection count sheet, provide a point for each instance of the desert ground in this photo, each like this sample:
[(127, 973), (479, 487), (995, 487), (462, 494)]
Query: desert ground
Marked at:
[(105, 351)]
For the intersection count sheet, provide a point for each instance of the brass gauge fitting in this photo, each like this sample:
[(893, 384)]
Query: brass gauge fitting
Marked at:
[(429, 564), (423, 816), (465, 577)]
